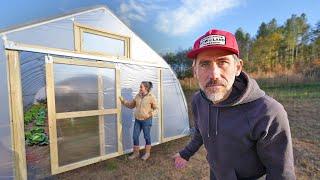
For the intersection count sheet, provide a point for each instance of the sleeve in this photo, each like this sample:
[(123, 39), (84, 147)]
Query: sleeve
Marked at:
[(196, 141), (274, 145), (154, 106), (130, 104)]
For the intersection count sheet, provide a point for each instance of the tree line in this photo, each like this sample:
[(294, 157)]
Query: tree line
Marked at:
[(292, 47)]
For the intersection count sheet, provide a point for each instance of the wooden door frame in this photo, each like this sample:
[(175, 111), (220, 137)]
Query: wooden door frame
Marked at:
[(53, 117)]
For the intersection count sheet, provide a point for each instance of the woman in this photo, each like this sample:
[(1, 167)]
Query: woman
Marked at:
[(146, 106)]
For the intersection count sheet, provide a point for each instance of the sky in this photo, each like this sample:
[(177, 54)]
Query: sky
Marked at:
[(169, 25)]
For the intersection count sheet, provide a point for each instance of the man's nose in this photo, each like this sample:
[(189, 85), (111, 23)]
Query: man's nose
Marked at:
[(215, 71)]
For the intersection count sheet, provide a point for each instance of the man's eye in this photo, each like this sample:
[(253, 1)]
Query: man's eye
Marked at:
[(205, 64), (221, 63)]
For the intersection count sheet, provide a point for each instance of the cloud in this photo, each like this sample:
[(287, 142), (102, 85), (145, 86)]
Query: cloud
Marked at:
[(191, 14), (137, 10)]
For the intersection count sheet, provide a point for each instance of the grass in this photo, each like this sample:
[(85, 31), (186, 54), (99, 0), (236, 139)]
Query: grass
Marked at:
[(293, 91)]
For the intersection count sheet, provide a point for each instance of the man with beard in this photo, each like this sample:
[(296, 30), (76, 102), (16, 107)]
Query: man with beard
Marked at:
[(245, 132)]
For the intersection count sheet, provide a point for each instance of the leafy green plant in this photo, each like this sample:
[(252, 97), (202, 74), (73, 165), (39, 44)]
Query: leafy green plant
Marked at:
[(34, 120)]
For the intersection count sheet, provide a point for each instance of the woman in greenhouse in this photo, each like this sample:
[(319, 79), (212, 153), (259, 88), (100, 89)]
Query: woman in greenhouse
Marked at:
[(146, 107)]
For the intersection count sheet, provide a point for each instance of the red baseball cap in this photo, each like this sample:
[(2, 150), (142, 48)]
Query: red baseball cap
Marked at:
[(214, 39)]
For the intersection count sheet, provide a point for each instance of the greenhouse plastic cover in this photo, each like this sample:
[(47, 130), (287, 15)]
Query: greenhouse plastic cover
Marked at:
[(6, 153), (59, 34), (175, 118)]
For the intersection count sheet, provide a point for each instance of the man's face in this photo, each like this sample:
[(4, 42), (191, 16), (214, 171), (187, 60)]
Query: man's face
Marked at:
[(216, 71)]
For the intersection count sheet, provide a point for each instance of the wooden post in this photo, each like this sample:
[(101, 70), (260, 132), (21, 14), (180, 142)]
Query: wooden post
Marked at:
[(15, 95)]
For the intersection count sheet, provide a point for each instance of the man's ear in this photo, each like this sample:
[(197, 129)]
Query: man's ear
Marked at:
[(194, 72), (239, 67)]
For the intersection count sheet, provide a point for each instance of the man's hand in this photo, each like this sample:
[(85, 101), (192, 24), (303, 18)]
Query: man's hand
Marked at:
[(179, 161)]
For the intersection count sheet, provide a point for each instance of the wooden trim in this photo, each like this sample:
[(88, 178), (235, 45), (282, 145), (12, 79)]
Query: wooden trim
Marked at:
[(16, 109), (58, 116), (10, 45), (174, 137), (85, 162), (52, 115), (98, 64), (101, 118), (85, 113), (80, 29), (101, 31), (119, 124), (161, 105), (76, 35)]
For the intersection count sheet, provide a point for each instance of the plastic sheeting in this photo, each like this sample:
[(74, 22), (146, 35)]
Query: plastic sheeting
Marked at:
[(175, 111), (57, 34), (76, 88), (32, 67), (60, 34), (131, 78), (78, 139), (6, 154), (111, 134)]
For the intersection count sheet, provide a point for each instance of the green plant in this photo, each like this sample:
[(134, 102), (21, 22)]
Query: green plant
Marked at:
[(36, 136), (34, 119)]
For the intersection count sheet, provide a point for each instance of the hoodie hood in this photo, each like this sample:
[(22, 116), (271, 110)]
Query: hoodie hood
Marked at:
[(244, 90)]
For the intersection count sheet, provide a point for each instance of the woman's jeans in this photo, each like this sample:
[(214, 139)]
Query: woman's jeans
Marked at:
[(144, 125)]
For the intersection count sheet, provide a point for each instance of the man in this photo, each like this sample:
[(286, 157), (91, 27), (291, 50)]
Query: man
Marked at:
[(245, 132)]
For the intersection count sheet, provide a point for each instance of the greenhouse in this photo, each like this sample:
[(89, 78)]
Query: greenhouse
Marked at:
[(60, 82)]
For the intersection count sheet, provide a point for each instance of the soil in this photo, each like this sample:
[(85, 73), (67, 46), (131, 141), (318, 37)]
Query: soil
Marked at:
[(305, 127)]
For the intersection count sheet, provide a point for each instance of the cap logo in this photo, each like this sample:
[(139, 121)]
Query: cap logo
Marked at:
[(212, 40)]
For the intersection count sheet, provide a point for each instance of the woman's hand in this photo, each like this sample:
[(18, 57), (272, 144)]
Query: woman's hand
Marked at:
[(121, 99)]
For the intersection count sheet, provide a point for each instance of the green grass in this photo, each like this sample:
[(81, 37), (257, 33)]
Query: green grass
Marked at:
[(293, 91)]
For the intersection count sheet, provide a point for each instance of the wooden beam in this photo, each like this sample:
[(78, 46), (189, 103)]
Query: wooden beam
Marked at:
[(101, 117), (77, 38), (161, 105), (85, 162), (80, 29), (85, 113), (119, 124), (52, 115), (174, 137), (77, 62), (17, 118)]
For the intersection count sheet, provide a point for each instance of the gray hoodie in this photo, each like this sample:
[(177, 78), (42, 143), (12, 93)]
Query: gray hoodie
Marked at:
[(246, 136)]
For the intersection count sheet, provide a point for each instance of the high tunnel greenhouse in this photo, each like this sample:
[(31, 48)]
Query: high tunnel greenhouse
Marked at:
[(75, 67)]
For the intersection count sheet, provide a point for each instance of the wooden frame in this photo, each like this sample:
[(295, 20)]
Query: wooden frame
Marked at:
[(79, 29), (16, 114), (53, 117), (160, 112), (10, 45)]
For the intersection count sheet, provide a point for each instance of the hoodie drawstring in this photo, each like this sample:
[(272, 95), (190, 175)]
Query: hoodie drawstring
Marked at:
[(209, 120), (217, 116), (216, 121)]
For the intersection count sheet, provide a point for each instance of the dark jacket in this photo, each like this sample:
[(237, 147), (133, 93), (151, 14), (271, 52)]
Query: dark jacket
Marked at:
[(246, 136)]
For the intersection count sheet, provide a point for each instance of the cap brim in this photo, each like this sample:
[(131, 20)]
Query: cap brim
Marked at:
[(193, 53)]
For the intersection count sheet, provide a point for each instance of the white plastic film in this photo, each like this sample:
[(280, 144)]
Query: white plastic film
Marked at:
[(6, 153), (32, 66), (111, 133), (131, 78), (175, 112)]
